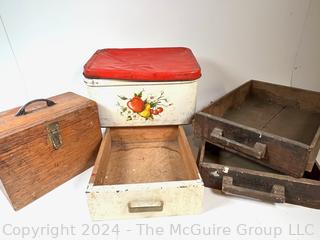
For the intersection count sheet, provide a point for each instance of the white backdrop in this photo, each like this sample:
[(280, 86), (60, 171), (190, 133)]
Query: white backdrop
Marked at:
[(234, 41), (44, 44)]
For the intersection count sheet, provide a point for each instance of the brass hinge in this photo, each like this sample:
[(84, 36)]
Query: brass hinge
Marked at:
[(54, 135)]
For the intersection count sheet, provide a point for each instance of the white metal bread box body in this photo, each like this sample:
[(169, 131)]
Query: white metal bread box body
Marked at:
[(171, 103)]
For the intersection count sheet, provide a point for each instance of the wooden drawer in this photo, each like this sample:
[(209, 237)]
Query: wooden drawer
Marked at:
[(144, 172), (237, 175), (274, 125)]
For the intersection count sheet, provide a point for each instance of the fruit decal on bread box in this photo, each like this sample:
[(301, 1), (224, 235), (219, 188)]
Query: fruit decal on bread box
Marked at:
[(143, 107)]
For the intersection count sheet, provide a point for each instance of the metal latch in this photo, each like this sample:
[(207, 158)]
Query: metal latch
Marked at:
[(54, 135)]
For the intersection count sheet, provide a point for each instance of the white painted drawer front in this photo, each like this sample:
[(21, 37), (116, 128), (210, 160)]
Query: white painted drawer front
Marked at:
[(143, 200), (154, 104)]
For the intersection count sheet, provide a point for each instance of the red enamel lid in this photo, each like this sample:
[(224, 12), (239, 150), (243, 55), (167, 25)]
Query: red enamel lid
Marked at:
[(143, 64)]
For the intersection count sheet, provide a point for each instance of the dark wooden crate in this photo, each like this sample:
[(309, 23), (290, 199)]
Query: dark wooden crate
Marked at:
[(47, 145), (237, 175), (275, 125)]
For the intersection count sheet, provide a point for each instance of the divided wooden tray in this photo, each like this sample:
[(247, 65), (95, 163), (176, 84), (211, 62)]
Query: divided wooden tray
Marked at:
[(144, 172), (237, 175), (274, 125)]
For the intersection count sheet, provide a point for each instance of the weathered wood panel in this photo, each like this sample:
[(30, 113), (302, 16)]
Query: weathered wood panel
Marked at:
[(260, 184), (144, 172), (285, 120), (282, 155)]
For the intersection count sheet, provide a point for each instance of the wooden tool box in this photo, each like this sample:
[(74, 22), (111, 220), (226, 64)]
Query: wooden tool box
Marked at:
[(274, 125), (45, 143), (236, 175), (144, 172)]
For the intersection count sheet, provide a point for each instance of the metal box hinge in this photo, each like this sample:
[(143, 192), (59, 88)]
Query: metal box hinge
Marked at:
[(54, 135)]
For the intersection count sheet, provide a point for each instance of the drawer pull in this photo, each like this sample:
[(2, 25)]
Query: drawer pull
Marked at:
[(277, 193), (258, 151), (145, 206)]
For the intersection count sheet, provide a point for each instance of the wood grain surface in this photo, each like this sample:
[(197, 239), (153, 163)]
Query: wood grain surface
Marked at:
[(255, 181), (145, 167), (29, 165), (285, 119)]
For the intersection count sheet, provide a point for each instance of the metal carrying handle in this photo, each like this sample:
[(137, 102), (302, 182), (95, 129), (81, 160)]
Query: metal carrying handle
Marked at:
[(145, 206), (22, 110), (277, 193), (258, 151)]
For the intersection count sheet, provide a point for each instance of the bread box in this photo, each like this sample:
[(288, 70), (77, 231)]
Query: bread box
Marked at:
[(274, 125), (143, 86), (144, 172), (45, 143)]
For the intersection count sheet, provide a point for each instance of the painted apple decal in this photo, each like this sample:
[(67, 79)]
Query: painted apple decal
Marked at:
[(136, 104)]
